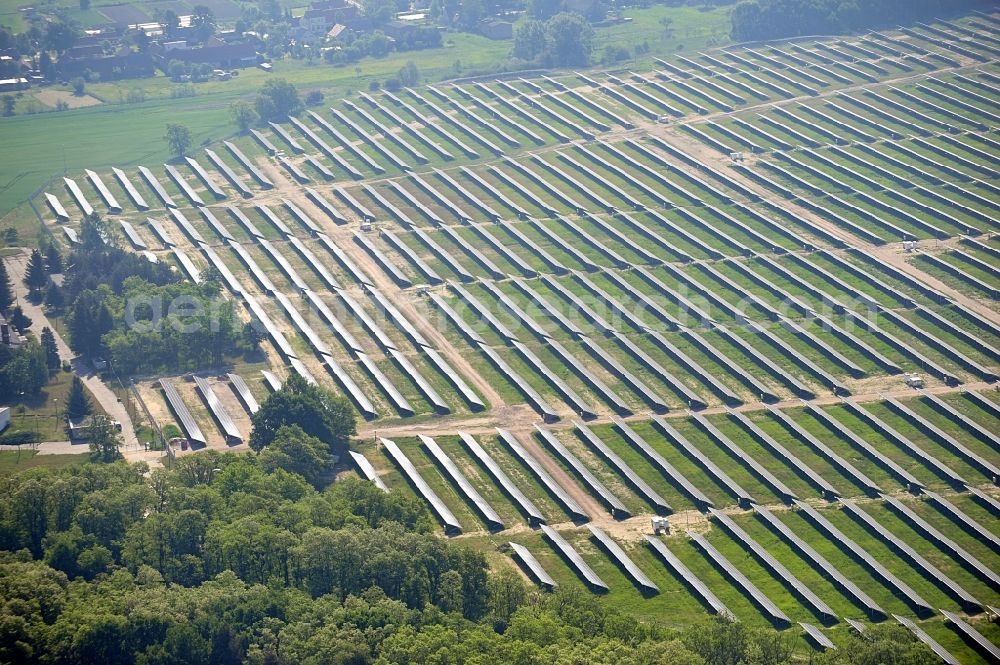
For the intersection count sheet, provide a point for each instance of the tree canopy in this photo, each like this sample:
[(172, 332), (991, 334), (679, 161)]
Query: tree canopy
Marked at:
[(315, 411), (277, 100)]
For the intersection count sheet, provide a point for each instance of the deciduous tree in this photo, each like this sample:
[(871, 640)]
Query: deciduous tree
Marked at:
[(178, 138), (318, 412)]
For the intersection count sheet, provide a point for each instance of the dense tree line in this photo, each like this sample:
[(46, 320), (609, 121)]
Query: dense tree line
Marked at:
[(771, 19), (238, 558), (141, 315), (218, 560)]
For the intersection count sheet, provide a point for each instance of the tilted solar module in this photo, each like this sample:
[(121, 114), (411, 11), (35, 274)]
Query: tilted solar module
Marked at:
[(931, 532), (534, 398), (218, 410), (806, 550), (777, 569), (771, 611), (243, 392), (690, 579), (973, 636), (636, 441), (57, 208), (109, 199), (618, 509), (367, 470), (764, 439), (78, 197), (157, 187), (343, 259), (543, 476), (444, 514), (185, 187), (903, 442), (976, 460), (187, 422), (216, 225), (445, 462), (859, 443), (187, 265), (922, 635), (633, 479), (130, 189), (614, 550), (908, 595), (574, 559), (970, 525), (189, 230), (758, 469), (386, 264), (713, 469), (538, 573), (226, 171), (506, 484), (132, 235), (848, 469), (426, 389)]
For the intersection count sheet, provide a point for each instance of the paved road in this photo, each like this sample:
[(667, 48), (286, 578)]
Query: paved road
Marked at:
[(16, 266)]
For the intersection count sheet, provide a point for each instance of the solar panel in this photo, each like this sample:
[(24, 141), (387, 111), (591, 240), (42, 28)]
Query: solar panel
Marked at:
[(229, 429), (132, 235), (130, 189), (860, 444), (825, 567), (109, 199), (187, 265), (615, 551), (348, 385), (203, 175), (386, 264), (713, 469), (455, 379), (758, 469), (537, 572), (444, 514), (574, 559), (911, 597), (930, 532), (77, 194), (765, 604), (57, 208), (445, 462), (157, 187), (187, 422), (367, 470), (283, 133), (844, 466), (973, 636), (343, 259), (922, 635), (370, 140), (777, 569), (184, 186), (618, 509), (550, 483), (675, 476), (524, 504), (678, 568)]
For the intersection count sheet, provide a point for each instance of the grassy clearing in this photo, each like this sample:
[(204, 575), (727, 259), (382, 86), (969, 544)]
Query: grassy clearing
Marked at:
[(43, 414), (14, 462)]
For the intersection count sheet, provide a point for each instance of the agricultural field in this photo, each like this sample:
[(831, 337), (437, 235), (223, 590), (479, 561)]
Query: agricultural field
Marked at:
[(752, 291)]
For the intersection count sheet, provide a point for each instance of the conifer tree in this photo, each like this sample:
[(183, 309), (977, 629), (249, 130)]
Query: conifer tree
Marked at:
[(51, 350), (35, 276), (77, 403), (6, 289), (53, 259)]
